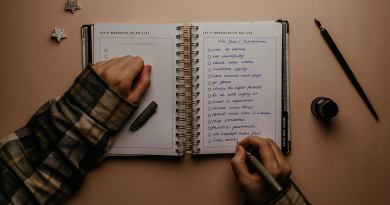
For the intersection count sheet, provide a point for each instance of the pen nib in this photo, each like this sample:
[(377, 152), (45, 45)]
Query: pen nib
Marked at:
[(318, 23)]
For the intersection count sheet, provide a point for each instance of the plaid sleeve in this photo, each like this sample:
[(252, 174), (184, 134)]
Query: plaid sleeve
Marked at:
[(290, 196), (47, 160)]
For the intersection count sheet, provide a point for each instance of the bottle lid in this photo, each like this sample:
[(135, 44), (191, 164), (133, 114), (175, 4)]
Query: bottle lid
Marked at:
[(328, 109)]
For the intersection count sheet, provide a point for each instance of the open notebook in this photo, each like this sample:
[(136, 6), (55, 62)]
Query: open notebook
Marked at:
[(214, 83)]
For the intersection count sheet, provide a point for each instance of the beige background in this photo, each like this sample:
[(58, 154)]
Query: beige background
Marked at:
[(341, 161)]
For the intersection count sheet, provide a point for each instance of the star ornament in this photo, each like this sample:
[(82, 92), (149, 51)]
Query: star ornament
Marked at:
[(59, 34), (72, 6)]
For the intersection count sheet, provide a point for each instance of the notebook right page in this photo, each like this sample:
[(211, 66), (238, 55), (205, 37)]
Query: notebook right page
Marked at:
[(240, 83)]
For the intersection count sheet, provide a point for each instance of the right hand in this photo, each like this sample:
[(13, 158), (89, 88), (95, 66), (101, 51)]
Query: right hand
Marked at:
[(254, 186), (121, 75)]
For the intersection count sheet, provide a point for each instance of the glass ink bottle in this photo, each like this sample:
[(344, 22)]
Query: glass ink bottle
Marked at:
[(324, 107)]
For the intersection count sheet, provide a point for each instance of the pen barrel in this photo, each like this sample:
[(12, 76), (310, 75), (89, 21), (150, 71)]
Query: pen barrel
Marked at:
[(263, 171), (347, 70)]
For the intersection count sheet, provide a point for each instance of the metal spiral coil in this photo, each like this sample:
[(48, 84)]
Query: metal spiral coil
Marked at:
[(187, 118), (187, 143), (183, 127), (187, 44), (196, 77), (186, 53), (187, 94), (187, 69), (186, 27), (187, 61), (178, 135), (186, 36), (196, 151), (187, 86), (196, 110), (188, 102), (187, 121), (180, 151)]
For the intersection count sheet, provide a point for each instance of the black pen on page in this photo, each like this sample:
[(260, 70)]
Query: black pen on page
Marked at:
[(345, 67), (263, 171)]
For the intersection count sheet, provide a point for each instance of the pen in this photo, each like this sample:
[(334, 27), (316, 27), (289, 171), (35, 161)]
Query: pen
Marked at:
[(263, 171), (144, 116), (345, 67)]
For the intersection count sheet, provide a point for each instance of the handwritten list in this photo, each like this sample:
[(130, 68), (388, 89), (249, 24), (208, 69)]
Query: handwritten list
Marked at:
[(239, 89)]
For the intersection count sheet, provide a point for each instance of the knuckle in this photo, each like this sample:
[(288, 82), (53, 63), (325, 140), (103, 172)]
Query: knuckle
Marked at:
[(288, 169), (105, 73), (277, 172), (122, 84), (269, 140), (233, 162), (148, 82), (264, 143), (139, 60), (243, 183)]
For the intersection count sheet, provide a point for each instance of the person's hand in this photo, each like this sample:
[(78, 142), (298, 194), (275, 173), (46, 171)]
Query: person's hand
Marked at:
[(127, 76), (254, 186)]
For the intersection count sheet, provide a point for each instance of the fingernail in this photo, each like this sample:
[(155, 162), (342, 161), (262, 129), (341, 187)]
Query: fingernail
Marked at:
[(149, 68)]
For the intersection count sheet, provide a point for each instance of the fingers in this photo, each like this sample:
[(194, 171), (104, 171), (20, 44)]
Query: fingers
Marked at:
[(255, 187), (239, 166), (98, 64), (103, 68), (119, 74), (286, 168), (278, 153), (269, 157), (133, 67), (141, 86), (262, 145)]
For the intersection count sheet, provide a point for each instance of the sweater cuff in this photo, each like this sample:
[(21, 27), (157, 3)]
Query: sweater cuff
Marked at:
[(291, 195), (99, 100)]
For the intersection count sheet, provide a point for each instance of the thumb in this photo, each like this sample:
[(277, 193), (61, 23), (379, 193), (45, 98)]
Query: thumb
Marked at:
[(239, 166), (141, 86)]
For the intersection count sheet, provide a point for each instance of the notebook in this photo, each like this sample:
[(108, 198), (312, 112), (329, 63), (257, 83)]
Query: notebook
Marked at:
[(214, 84)]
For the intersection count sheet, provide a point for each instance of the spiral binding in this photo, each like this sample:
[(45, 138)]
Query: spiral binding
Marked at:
[(187, 44), (187, 118), (187, 86), (187, 77), (187, 126), (186, 36), (187, 69), (196, 110), (188, 102), (186, 27), (186, 53), (187, 94), (187, 135), (187, 61), (187, 113), (187, 143)]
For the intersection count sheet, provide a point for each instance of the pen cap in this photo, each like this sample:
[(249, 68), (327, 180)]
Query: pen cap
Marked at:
[(144, 116), (324, 107)]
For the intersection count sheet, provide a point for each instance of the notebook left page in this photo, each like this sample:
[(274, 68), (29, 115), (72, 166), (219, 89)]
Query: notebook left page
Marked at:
[(156, 44)]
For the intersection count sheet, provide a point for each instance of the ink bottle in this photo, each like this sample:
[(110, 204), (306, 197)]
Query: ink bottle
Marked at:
[(324, 107)]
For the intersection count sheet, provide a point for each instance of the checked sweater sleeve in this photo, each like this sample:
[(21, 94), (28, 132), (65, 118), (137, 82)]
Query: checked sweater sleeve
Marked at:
[(48, 159), (290, 196)]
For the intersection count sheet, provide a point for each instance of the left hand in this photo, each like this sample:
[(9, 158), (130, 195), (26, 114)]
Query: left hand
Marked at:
[(119, 74)]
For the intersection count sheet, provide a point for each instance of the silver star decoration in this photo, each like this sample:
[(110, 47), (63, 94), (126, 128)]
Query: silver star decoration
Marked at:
[(72, 6), (59, 34)]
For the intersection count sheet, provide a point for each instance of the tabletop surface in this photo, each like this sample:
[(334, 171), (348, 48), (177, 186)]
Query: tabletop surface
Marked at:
[(339, 161)]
